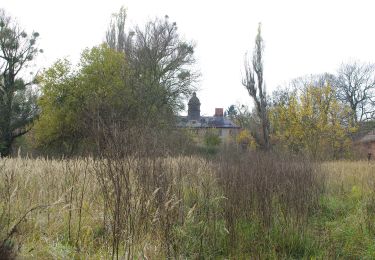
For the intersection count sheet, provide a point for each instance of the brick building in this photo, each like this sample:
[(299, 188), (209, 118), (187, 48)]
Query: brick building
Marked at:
[(200, 124)]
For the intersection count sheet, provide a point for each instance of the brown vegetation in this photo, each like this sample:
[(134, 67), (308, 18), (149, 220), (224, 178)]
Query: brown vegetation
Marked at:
[(148, 207)]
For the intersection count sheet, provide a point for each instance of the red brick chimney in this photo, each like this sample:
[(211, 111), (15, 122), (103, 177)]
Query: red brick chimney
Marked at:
[(219, 112)]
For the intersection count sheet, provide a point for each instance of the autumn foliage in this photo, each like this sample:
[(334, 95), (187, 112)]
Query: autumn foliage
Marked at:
[(314, 122)]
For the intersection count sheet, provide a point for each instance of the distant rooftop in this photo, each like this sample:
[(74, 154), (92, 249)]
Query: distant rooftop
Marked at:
[(195, 120), (365, 133), (206, 122)]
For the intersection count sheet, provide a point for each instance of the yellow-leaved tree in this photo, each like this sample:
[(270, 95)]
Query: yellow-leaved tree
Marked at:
[(246, 140), (314, 122)]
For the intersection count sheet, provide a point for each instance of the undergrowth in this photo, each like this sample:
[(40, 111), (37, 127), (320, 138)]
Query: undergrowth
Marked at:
[(236, 205)]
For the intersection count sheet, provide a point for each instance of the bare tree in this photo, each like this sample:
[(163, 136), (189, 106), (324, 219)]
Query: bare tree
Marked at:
[(115, 35), (301, 84), (256, 87), (355, 86), (160, 61)]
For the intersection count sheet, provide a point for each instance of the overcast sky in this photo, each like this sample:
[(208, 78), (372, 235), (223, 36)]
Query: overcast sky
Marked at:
[(301, 37)]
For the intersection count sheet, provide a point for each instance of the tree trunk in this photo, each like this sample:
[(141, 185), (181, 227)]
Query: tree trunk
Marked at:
[(6, 131), (5, 148)]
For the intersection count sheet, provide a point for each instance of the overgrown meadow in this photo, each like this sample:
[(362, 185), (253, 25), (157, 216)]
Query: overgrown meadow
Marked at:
[(235, 205), (117, 173)]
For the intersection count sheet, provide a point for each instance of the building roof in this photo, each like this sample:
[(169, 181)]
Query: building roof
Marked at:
[(206, 122), (365, 133), (368, 138), (195, 120)]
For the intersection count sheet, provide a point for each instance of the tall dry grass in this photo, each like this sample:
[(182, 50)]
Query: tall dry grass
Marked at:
[(267, 189), (343, 175), (75, 209), (157, 207)]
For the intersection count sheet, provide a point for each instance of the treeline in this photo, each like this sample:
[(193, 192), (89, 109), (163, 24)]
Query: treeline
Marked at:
[(125, 91), (129, 90), (317, 115)]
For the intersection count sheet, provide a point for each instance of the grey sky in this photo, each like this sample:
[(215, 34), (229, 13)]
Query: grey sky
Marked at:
[(301, 37)]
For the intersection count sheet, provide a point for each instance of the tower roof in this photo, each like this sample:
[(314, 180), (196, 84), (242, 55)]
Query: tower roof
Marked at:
[(194, 100), (194, 110)]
